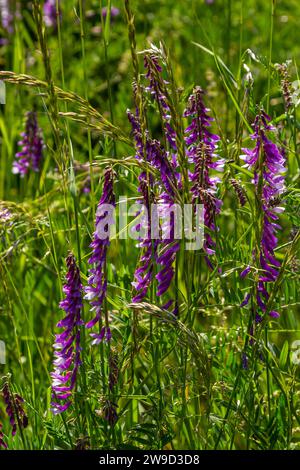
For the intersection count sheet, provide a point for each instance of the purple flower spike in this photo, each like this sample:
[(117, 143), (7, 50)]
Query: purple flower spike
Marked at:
[(268, 163), (67, 343), (95, 292), (201, 148), (32, 144), (50, 13), (10, 409)]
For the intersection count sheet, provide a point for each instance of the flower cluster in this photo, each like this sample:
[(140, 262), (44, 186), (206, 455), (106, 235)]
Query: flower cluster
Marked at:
[(163, 251), (95, 292), (268, 163), (114, 11), (201, 148), (15, 411), (67, 344), (32, 144), (2, 442)]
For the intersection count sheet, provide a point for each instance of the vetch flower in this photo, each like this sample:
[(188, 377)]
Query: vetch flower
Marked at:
[(155, 252), (67, 343), (95, 292), (6, 16), (14, 410), (32, 144), (49, 9), (268, 163), (201, 148)]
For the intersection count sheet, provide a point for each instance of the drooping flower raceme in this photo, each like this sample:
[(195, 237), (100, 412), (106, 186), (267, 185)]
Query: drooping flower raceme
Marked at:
[(67, 343), (201, 148), (268, 163), (50, 13), (31, 154), (95, 292)]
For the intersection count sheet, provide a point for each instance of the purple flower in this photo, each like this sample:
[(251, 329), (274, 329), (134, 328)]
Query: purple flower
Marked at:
[(67, 343), (113, 12), (95, 292), (240, 191), (201, 147), (2, 442), (113, 369), (162, 252), (6, 16), (246, 300), (32, 144), (50, 18), (245, 272), (10, 408), (110, 412), (145, 270), (268, 163)]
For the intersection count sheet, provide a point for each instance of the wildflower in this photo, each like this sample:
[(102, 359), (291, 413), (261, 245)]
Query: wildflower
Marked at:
[(157, 89), (245, 361), (67, 344), (110, 412), (95, 292), (2, 442), (268, 163), (113, 12), (286, 86), (201, 147), (246, 300), (50, 18), (240, 191), (156, 156), (5, 216), (145, 270), (31, 155), (113, 369)]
